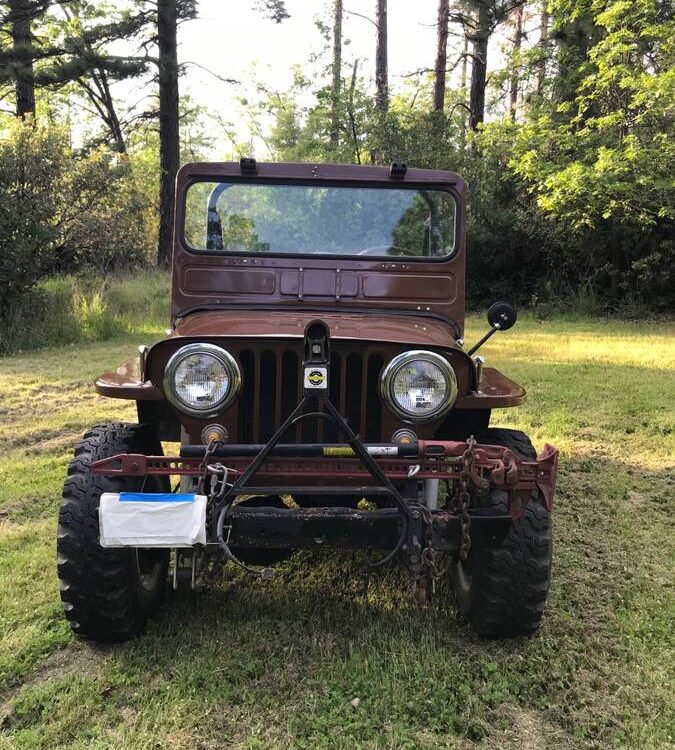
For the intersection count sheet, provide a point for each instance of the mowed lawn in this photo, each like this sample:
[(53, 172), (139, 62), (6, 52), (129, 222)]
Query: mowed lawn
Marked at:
[(329, 656)]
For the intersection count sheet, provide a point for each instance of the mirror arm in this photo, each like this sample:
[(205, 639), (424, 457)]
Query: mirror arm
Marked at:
[(496, 327)]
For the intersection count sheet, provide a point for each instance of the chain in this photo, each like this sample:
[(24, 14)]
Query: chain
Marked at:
[(463, 499), (430, 557)]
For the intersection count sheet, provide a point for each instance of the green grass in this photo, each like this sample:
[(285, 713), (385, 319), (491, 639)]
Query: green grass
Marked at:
[(251, 665), (70, 309)]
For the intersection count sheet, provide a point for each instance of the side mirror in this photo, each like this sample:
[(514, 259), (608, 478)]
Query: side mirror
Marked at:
[(502, 315)]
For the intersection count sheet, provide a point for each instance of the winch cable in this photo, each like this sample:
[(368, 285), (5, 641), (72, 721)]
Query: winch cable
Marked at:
[(264, 573), (392, 554), (218, 487)]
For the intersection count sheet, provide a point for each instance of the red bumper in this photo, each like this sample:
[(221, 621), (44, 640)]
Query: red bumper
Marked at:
[(490, 466)]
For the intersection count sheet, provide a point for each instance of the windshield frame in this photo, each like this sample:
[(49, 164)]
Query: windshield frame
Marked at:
[(340, 183)]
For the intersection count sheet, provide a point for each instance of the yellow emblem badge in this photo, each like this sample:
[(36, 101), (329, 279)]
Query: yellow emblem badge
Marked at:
[(316, 377)]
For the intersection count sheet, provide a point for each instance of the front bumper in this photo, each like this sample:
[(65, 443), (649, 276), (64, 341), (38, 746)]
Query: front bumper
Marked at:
[(332, 470)]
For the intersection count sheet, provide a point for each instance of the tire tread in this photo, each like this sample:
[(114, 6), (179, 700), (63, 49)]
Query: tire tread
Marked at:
[(510, 582), (94, 582)]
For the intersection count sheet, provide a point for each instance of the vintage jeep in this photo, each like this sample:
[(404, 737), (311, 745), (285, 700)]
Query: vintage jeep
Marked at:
[(317, 380)]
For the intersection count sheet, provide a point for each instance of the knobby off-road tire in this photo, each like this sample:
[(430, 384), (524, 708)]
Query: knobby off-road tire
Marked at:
[(107, 594), (501, 591)]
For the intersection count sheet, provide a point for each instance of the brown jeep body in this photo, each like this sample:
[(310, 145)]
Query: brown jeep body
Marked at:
[(258, 306), (328, 401)]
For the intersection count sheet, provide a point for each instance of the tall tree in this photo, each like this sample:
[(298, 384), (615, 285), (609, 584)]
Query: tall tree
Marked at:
[(462, 91), (169, 130), (601, 166), (479, 51), (543, 47), (17, 62), (22, 14), (441, 55), (480, 23), (381, 58), (82, 57), (337, 74), (515, 61), (575, 35)]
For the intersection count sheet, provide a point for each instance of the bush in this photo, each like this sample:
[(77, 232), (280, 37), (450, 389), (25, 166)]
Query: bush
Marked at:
[(60, 212)]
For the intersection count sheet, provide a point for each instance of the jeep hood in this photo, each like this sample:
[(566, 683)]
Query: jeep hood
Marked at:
[(394, 328)]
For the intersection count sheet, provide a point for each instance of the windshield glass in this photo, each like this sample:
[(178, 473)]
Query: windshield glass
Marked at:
[(320, 220)]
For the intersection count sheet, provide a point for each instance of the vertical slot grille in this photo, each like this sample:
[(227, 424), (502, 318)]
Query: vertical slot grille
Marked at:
[(247, 399), (268, 395), (372, 413), (351, 407), (335, 389), (290, 376), (273, 386)]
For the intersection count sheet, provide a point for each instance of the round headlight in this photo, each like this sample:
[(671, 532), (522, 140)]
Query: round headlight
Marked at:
[(201, 379), (419, 386)]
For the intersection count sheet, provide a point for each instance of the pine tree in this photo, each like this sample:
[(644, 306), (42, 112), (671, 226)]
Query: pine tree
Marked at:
[(336, 70), (441, 55), (19, 51), (381, 58)]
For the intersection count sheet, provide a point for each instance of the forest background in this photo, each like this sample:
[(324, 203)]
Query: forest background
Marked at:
[(558, 113)]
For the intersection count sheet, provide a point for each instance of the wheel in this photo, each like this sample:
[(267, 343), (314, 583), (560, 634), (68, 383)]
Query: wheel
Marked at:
[(107, 594), (501, 590)]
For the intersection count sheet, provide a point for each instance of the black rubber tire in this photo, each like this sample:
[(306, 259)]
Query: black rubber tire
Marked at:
[(501, 590), (104, 593)]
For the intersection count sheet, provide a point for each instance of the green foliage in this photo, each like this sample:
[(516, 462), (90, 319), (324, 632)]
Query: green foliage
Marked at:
[(70, 310), (573, 203), (600, 165), (63, 211), (512, 252)]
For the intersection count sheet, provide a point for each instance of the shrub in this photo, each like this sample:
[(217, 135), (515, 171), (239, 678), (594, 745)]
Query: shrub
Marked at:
[(61, 212)]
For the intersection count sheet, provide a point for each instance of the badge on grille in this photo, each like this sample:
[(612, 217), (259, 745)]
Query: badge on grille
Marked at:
[(316, 377)]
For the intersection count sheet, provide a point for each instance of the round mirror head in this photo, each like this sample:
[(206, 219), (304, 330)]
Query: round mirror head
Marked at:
[(502, 315)]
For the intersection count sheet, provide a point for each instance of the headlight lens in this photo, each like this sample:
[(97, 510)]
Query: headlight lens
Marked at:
[(419, 386), (201, 379)]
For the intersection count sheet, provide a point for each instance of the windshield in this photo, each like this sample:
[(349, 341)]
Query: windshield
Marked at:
[(380, 222)]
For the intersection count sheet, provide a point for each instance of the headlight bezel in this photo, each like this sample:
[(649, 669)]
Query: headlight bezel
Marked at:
[(217, 352), (390, 371)]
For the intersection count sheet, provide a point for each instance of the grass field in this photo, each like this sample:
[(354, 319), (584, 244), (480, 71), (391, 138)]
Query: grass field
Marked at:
[(252, 665)]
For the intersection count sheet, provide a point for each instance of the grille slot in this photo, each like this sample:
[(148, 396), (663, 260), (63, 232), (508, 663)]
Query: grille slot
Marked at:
[(277, 381)]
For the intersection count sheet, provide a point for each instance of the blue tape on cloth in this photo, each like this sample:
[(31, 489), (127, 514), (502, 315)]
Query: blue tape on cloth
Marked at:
[(156, 497)]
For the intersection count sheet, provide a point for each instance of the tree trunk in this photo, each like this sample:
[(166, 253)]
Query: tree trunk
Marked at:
[(441, 55), (21, 14), (112, 118), (350, 112), (543, 43), (515, 61), (462, 90), (99, 94), (337, 74), (479, 52), (381, 73), (98, 91), (169, 136)]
